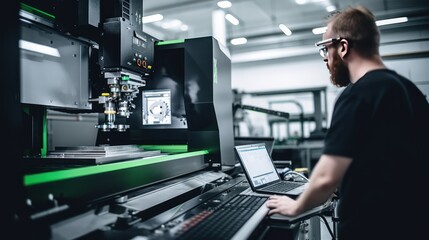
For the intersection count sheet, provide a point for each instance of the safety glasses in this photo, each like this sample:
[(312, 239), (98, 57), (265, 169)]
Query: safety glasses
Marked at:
[(323, 51)]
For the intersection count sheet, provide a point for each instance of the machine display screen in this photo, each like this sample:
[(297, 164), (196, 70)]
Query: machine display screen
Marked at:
[(156, 107)]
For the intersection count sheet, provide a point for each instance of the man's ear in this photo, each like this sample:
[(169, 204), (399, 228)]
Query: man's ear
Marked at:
[(344, 48)]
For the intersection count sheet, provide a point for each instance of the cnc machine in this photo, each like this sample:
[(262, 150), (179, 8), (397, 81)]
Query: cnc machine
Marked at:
[(162, 160), (94, 57)]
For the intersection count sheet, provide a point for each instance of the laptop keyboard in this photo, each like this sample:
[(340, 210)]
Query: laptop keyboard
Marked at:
[(283, 186)]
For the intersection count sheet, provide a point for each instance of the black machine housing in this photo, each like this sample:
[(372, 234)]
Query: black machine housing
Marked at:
[(197, 72), (200, 104)]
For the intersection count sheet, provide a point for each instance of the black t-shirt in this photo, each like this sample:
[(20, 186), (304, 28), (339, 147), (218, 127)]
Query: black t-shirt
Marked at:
[(382, 123)]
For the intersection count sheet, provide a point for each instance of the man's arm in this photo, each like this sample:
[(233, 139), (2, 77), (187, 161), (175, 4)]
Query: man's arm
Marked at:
[(325, 178)]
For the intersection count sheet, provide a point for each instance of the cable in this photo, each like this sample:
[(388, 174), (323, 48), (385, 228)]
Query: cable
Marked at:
[(296, 173), (327, 225), (287, 171)]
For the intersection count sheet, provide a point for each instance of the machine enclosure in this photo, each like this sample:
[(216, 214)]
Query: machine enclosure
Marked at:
[(126, 47), (208, 102)]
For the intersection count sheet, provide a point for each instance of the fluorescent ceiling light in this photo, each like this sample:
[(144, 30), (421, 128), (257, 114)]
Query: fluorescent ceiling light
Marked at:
[(39, 48), (153, 18), (224, 4), (173, 24), (285, 29), (232, 19), (272, 54), (331, 8), (319, 30), (301, 2), (391, 21), (238, 41)]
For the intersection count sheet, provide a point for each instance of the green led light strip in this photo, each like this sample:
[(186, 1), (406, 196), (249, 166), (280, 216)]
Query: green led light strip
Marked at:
[(170, 42), (53, 176), (36, 11), (166, 148), (44, 149)]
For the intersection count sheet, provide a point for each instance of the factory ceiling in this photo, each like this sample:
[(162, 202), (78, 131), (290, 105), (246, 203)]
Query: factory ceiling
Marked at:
[(259, 20)]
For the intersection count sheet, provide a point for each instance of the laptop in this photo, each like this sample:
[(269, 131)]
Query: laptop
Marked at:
[(262, 174), (269, 142)]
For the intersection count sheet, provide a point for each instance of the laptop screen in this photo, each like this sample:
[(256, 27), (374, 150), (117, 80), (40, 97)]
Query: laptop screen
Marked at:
[(269, 142), (257, 164)]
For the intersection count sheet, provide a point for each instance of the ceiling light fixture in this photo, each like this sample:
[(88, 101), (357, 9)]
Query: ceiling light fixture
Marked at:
[(302, 2), (272, 54), (153, 18), (319, 30), (331, 8), (232, 19), (172, 24), (238, 41), (224, 4), (285, 29), (391, 21)]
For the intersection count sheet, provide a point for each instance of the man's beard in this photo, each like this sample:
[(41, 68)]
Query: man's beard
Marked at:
[(340, 75)]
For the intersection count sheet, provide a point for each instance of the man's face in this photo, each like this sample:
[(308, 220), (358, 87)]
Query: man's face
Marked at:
[(337, 67), (340, 75)]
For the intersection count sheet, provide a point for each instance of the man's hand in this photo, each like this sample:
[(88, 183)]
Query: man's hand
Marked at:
[(281, 204)]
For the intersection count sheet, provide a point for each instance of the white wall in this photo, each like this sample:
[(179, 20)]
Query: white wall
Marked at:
[(282, 74), (401, 52)]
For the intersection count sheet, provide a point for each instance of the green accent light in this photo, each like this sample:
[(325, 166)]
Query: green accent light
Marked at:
[(125, 78), (169, 42), (39, 178), (44, 149), (36, 11), (166, 148)]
